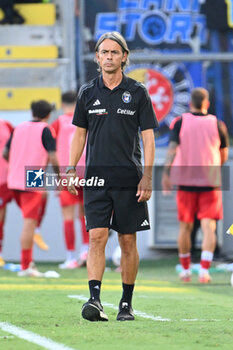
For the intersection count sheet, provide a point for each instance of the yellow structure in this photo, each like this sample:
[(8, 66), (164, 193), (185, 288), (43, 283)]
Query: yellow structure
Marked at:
[(21, 98), (36, 14), (28, 52), (230, 230)]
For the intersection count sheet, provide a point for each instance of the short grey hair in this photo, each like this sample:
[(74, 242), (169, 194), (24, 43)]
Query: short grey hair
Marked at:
[(117, 37)]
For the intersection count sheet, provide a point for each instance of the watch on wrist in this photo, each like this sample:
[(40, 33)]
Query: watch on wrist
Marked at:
[(68, 168)]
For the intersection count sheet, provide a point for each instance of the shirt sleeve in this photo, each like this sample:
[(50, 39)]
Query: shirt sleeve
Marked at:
[(8, 144), (175, 131), (10, 127), (174, 120), (147, 117), (55, 128), (80, 117), (48, 140), (223, 134)]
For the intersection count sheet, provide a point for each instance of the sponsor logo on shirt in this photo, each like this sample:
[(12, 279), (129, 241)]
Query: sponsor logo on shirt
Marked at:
[(96, 103), (145, 223), (100, 111), (125, 111), (126, 97)]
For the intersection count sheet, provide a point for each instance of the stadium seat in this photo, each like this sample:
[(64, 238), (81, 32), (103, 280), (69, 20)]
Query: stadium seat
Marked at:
[(36, 14), (39, 38), (21, 98), (28, 52)]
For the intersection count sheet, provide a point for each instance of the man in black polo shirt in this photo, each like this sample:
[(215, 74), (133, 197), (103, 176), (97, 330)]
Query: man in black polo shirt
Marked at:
[(111, 109)]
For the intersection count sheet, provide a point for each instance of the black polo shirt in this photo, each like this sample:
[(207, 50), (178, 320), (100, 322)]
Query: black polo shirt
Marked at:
[(113, 119)]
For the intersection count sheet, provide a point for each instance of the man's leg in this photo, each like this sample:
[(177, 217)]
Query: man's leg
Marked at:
[(29, 226), (27, 265), (85, 236), (38, 239), (29, 203), (96, 253), (186, 207), (93, 310), (184, 247), (196, 226), (210, 210), (129, 265), (184, 238), (208, 246), (68, 214)]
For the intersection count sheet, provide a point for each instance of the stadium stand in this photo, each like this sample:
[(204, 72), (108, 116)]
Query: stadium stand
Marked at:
[(34, 62), (36, 14)]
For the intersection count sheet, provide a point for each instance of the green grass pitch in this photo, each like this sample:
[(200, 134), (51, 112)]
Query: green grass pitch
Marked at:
[(171, 315)]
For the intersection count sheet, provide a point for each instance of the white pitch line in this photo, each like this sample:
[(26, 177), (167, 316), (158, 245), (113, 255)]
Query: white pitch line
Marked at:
[(136, 312), (151, 317), (44, 342), (204, 320)]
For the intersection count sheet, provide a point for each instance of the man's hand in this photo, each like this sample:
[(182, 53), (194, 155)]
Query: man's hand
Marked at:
[(144, 189), (171, 153), (71, 175), (166, 184)]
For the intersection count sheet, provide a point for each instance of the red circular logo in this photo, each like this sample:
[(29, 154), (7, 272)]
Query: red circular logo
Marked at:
[(160, 91)]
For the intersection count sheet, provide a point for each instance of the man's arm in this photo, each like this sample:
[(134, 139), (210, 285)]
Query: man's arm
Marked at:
[(49, 143), (171, 153), (145, 185), (224, 139), (224, 154), (6, 149), (170, 156), (76, 150), (52, 159), (77, 145), (5, 153)]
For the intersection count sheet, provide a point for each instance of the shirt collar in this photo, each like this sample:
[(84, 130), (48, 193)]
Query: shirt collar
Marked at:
[(199, 114), (123, 84)]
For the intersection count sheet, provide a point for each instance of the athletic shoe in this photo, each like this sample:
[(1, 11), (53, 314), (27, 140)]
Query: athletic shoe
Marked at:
[(69, 265), (93, 311), (31, 271), (84, 255), (185, 276), (83, 259), (125, 312), (2, 262), (82, 263), (118, 269), (38, 240), (205, 278)]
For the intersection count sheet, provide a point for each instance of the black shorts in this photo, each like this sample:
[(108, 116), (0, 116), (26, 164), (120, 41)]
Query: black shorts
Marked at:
[(115, 208)]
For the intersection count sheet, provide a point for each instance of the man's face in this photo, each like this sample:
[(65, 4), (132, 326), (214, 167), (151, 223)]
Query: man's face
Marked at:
[(110, 56)]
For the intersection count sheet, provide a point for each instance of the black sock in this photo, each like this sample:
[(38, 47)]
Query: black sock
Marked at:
[(127, 293), (94, 287)]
